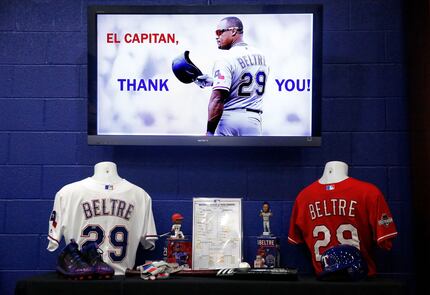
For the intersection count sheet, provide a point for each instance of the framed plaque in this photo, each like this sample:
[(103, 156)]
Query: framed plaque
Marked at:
[(217, 233)]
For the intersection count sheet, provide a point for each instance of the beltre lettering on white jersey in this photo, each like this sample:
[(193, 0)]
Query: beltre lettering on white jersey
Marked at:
[(107, 207)]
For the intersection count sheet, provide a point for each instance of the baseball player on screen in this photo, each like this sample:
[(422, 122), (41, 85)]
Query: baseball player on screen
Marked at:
[(238, 82)]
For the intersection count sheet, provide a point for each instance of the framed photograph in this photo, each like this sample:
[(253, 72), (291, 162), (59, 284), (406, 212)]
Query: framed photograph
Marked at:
[(217, 233)]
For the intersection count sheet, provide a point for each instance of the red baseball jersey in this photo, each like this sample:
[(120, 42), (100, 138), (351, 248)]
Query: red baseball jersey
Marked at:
[(350, 212)]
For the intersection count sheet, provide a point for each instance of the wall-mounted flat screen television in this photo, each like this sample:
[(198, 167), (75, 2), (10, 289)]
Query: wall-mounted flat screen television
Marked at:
[(258, 81)]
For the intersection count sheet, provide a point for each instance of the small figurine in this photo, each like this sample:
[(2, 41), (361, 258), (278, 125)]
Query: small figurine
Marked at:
[(181, 257), (176, 227), (266, 213), (259, 262)]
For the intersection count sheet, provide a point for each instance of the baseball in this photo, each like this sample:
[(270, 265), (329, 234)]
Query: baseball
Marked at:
[(244, 265)]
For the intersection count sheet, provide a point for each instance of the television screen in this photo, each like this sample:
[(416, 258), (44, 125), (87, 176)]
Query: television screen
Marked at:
[(204, 75)]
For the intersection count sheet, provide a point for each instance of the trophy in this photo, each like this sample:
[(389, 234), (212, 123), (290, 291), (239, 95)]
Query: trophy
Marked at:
[(178, 249), (268, 246)]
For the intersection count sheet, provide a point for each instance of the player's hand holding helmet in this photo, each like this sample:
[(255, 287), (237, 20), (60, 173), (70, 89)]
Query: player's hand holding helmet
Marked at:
[(204, 81)]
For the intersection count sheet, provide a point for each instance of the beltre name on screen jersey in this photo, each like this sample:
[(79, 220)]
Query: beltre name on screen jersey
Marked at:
[(242, 71), (118, 217), (351, 212)]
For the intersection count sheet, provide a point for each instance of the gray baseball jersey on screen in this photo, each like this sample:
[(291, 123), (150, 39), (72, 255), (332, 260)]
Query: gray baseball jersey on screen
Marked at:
[(242, 71)]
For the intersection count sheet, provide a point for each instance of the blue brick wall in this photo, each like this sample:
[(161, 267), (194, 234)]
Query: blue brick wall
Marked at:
[(43, 82)]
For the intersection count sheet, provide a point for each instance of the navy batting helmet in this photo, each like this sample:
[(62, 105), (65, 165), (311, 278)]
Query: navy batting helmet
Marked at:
[(184, 69), (343, 262)]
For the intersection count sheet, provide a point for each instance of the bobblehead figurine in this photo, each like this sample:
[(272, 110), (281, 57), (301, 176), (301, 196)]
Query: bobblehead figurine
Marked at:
[(178, 249), (266, 213), (176, 227), (268, 245)]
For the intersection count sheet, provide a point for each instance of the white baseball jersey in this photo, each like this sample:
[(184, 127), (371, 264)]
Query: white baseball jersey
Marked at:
[(243, 72), (117, 217)]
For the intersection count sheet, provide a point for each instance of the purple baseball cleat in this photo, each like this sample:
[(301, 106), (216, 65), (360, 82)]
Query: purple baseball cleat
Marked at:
[(71, 264), (93, 256)]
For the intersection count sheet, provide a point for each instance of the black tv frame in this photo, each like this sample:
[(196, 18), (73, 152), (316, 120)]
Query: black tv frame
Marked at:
[(188, 140)]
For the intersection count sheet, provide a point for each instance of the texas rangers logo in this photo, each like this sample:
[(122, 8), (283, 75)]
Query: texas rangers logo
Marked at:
[(218, 75), (385, 220), (325, 261), (53, 219)]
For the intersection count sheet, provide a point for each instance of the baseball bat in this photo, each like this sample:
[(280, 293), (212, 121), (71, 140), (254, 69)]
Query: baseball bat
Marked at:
[(185, 272), (264, 274), (159, 236)]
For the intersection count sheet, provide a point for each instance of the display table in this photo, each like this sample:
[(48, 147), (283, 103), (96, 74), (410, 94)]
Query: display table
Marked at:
[(50, 283)]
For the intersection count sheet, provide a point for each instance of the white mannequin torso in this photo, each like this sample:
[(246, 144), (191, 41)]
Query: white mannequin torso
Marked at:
[(106, 173), (334, 171)]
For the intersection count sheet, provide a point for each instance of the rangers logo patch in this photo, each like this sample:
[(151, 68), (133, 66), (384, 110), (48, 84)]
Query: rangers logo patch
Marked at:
[(53, 219), (385, 220), (218, 75)]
